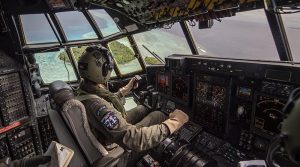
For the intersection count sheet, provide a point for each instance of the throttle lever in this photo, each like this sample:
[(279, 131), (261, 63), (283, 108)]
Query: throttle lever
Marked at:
[(138, 80)]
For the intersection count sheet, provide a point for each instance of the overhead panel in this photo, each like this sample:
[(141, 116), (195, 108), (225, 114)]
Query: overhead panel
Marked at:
[(165, 11), (156, 13)]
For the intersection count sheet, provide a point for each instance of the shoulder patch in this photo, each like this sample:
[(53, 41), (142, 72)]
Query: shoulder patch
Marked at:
[(100, 109), (110, 121)]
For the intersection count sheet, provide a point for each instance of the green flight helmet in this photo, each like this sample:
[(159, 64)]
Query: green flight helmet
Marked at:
[(96, 64)]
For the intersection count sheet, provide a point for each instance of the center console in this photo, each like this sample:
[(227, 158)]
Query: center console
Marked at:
[(234, 108)]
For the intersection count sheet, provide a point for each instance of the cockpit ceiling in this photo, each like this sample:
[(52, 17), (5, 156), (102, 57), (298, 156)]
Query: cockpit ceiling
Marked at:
[(148, 13), (153, 12)]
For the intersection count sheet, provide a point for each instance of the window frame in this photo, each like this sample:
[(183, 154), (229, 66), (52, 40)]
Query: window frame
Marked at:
[(61, 35), (62, 41)]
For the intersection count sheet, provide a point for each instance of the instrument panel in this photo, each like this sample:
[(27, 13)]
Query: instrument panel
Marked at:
[(13, 106), (20, 126), (238, 107), (210, 102)]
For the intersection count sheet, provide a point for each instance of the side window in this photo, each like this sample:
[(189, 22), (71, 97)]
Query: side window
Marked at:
[(55, 66), (124, 56), (77, 52)]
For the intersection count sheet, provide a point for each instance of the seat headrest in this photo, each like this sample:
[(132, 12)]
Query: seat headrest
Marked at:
[(60, 92)]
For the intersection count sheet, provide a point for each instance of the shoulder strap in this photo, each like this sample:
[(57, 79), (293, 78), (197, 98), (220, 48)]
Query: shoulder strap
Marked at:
[(82, 95), (86, 97)]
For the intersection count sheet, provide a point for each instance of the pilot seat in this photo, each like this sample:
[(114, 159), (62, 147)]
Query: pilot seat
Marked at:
[(75, 117)]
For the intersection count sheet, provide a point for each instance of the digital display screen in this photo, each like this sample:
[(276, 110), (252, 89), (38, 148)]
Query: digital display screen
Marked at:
[(244, 91), (162, 83), (180, 88), (268, 114)]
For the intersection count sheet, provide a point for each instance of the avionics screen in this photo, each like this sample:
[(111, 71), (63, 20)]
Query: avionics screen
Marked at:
[(180, 88), (162, 84), (268, 114), (244, 91)]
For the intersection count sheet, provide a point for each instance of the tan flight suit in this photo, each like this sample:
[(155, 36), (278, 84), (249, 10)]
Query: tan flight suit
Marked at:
[(136, 130)]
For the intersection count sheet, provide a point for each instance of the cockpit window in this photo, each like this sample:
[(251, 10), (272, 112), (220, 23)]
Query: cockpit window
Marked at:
[(292, 28), (105, 22), (36, 29), (55, 66), (124, 56), (76, 26), (162, 42), (244, 36)]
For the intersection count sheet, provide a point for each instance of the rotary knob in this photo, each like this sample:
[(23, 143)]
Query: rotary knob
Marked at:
[(240, 111)]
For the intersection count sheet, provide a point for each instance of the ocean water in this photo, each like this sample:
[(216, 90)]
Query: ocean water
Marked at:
[(52, 68)]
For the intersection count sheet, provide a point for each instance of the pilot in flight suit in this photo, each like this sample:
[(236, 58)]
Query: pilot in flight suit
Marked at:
[(136, 130)]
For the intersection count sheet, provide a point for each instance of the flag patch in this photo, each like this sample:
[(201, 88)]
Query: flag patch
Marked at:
[(110, 121)]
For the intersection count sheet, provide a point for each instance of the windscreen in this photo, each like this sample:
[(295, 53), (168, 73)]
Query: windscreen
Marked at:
[(162, 42), (244, 36), (74, 25)]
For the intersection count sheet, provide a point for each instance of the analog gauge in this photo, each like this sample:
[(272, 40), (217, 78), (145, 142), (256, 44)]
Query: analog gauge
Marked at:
[(180, 89), (268, 114)]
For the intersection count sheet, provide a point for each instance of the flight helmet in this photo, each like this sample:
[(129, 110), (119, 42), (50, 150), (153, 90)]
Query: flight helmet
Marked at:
[(96, 64)]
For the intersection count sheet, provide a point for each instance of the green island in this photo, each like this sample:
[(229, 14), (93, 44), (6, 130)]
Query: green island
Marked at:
[(76, 52), (151, 60), (121, 53)]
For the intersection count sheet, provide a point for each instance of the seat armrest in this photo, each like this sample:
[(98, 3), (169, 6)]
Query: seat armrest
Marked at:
[(113, 155)]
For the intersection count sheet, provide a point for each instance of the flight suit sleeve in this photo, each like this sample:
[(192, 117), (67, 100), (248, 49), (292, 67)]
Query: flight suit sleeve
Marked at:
[(135, 138), (121, 97)]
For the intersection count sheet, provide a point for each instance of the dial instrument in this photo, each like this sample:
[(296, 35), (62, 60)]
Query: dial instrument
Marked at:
[(268, 114), (180, 88)]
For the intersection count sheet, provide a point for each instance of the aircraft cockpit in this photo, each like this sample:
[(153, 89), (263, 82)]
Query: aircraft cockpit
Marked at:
[(231, 65)]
